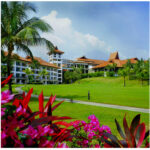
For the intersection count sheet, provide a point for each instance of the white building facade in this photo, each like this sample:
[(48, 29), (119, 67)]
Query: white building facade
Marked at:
[(56, 59), (20, 77)]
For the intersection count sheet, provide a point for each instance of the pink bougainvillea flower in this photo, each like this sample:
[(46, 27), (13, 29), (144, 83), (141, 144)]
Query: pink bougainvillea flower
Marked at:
[(2, 111), (6, 96), (44, 130), (105, 128), (97, 146), (3, 138), (62, 145), (85, 142), (46, 143), (91, 117), (33, 133), (90, 135)]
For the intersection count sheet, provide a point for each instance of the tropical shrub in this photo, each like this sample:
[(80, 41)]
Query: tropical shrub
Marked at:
[(110, 73), (133, 136), (93, 74)]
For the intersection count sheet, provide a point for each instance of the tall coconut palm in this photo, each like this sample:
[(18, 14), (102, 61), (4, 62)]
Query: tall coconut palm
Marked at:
[(43, 73), (19, 32), (129, 67), (28, 72)]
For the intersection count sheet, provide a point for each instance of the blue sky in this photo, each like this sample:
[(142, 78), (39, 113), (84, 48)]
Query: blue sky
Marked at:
[(95, 29)]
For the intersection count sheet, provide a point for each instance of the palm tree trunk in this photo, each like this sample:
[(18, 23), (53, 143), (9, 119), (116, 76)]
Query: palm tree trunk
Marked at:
[(8, 73), (10, 49), (124, 81)]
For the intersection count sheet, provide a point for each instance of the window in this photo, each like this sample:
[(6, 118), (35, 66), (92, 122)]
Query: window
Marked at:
[(23, 75), (23, 64), (18, 80), (18, 63), (17, 69), (17, 75), (36, 72), (59, 71)]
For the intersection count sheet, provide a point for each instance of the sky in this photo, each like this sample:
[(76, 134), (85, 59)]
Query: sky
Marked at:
[(95, 29)]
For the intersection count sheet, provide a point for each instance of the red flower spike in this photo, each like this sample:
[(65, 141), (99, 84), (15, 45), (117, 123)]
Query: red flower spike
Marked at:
[(60, 134), (16, 102), (3, 83), (140, 134), (53, 99), (41, 101), (48, 103), (27, 99), (23, 95), (57, 105), (129, 136)]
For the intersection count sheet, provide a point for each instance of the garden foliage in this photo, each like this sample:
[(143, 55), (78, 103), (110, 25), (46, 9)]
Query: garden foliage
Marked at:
[(20, 127)]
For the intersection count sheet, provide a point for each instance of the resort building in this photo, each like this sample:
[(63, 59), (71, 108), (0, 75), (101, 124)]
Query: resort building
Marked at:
[(57, 66), (113, 59), (70, 64), (91, 62), (21, 63)]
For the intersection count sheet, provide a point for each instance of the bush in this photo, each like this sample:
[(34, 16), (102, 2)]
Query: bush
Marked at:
[(94, 74), (110, 74)]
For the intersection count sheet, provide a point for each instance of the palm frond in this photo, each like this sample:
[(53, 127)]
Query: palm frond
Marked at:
[(25, 49)]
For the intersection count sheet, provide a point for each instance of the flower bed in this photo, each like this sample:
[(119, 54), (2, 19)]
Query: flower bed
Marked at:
[(20, 127)]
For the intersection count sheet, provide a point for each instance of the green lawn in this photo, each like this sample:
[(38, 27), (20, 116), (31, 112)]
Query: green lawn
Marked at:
[(102, 90), (13, 87), (106, 116)]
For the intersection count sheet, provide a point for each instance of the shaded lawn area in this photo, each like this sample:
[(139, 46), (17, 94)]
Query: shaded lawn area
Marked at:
[(106, 116), (102, 90)]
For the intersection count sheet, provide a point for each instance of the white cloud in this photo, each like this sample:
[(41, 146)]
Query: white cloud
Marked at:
[(69, 40)]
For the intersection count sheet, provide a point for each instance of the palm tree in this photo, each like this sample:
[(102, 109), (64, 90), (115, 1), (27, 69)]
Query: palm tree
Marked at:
[(114, 65), (28, 72), (19, 32), (43, 73), (141, 69), (129, 67), (35, 64), (109, 67), (123, 73)]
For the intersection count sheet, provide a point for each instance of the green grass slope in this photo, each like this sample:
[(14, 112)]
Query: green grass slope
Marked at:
[(102, 90)]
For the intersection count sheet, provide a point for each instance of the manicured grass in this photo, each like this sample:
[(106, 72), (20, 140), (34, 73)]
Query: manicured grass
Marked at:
[(106, 116), (102, 90)]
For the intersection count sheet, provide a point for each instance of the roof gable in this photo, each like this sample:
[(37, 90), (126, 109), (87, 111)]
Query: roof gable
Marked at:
[(114, 55)]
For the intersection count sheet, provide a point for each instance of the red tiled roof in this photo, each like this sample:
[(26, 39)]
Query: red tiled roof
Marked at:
[(118, 62), (28, 59), (19, 57), (114, 55), (90, 61), (43, 62)]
